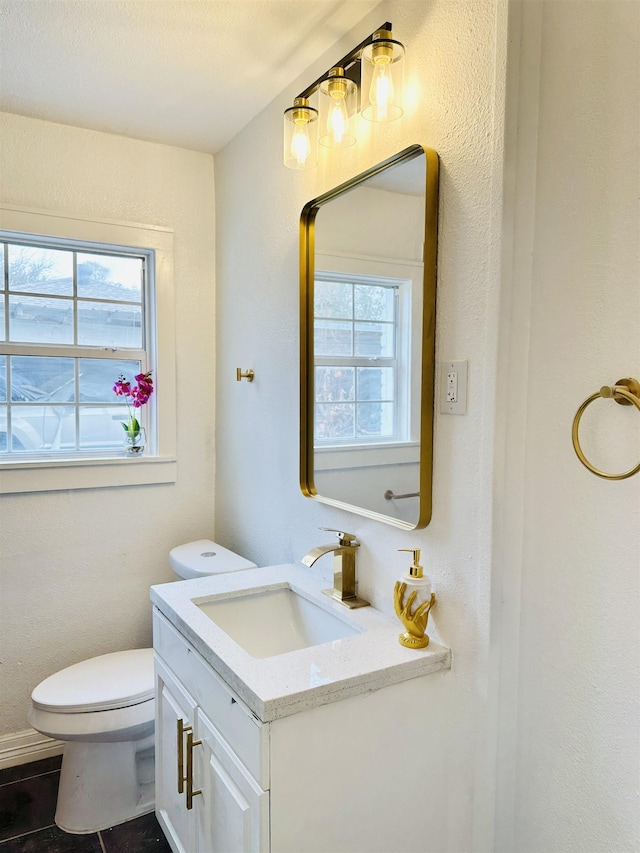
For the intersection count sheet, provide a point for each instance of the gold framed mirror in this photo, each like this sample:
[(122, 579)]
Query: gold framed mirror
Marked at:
[(368, 252)]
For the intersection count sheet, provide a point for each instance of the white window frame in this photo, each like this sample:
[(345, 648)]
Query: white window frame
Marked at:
[(21, 475)]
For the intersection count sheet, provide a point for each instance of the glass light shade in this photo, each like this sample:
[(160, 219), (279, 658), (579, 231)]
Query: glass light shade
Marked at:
[(382, 64), (338, 101), (300, 135)]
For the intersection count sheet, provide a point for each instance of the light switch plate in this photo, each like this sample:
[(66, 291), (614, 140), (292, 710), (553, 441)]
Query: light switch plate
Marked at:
[(453, 387)]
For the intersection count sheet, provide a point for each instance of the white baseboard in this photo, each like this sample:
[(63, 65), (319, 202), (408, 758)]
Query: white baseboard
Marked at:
[(26, 746)]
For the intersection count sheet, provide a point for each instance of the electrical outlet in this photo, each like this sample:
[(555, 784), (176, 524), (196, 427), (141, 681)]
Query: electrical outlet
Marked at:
[(453, 387)]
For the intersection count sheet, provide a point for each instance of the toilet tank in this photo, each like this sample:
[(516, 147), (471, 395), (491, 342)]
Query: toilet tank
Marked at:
[(204, 557)]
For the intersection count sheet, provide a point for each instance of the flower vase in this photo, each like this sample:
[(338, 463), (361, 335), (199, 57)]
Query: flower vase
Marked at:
[(135, 443)]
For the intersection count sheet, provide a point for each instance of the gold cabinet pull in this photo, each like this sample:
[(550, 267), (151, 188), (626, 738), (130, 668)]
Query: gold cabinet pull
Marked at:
[(626, 392), (189, 779), (182, 729)]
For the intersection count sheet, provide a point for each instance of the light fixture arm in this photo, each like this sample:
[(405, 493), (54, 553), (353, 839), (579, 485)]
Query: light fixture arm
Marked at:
[(349, 63)]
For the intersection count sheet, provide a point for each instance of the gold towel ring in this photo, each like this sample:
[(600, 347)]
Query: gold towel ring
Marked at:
[(626, 392)]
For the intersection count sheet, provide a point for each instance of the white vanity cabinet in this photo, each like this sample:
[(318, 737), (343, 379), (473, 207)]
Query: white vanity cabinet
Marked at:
[(173, 706), (229, 807), (320, 750)]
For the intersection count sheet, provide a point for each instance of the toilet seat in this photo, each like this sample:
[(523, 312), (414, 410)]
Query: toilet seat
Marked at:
[(104, 683), (106, 698), (121, 724)]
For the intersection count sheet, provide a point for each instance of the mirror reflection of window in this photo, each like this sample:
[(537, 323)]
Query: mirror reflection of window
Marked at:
[(357, 348)]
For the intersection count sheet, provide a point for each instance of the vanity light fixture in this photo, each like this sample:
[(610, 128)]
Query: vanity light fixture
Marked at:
[(369, 80)]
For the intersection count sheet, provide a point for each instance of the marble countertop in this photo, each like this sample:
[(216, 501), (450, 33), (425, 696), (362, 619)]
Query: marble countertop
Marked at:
[(284, 684)]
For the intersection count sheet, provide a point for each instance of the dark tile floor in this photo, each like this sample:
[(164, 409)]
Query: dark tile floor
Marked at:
[(27, 806)]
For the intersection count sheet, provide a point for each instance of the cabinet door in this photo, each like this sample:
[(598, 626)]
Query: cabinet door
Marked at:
[(233, 811), (173, 703)]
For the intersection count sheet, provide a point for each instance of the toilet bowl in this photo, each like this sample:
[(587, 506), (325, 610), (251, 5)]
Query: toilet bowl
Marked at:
[(103, 709)]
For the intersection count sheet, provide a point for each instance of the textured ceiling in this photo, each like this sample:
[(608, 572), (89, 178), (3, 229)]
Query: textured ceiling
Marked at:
[(190, 73)]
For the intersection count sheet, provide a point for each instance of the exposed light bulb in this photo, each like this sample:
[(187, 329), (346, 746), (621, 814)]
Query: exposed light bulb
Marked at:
[(382, 77), (381, 92), (337, 102), (337, 117), (300, 135), (300, 142)]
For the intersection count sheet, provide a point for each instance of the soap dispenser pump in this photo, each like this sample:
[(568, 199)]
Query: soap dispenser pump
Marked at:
[(414, 613)]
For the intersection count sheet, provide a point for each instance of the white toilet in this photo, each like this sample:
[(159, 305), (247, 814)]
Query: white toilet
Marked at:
[(104, 709)]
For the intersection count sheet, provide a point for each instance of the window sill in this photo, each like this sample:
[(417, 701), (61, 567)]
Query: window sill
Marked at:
[(61, 474), (365, 456)]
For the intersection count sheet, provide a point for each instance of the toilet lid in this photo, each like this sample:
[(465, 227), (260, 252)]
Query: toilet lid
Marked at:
[(116, 680)]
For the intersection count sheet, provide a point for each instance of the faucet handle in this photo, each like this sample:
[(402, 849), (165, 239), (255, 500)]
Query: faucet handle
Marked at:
[(345, 538)]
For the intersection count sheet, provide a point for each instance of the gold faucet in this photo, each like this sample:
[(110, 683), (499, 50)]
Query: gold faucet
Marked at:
[(344, 568)]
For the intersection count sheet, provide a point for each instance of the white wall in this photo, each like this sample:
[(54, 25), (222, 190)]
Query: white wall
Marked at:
[(534, 559), (76, 566), (567, 565), (454, 61)]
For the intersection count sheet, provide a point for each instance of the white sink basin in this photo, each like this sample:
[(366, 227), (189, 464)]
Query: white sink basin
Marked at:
[(273, 622)]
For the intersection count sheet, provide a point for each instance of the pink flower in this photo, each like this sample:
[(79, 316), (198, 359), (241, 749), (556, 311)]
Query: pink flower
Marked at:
[(136, 397), (145, 383), (122, 388)]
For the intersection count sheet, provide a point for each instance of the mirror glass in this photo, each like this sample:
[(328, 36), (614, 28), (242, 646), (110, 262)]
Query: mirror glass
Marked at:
[(368, 301)]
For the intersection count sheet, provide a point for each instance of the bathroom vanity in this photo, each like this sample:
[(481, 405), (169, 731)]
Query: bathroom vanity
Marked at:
[(307, 748)]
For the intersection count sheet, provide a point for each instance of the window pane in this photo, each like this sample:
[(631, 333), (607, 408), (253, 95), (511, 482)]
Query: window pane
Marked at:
[(40, 379), (107, 325), (109, 277), (97, 377), (374, 303), (36, 428), (375, 420), (374, 340), (1, 266), (335, 384), (40, 321), (3, 429), (333, 337), (3, 379), (101, 427), (2, 317), (37, 270), (375, 383), (333, 299), (334, 420)]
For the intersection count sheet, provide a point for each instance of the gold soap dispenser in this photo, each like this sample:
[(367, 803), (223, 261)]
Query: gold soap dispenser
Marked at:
[(414, 612)]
